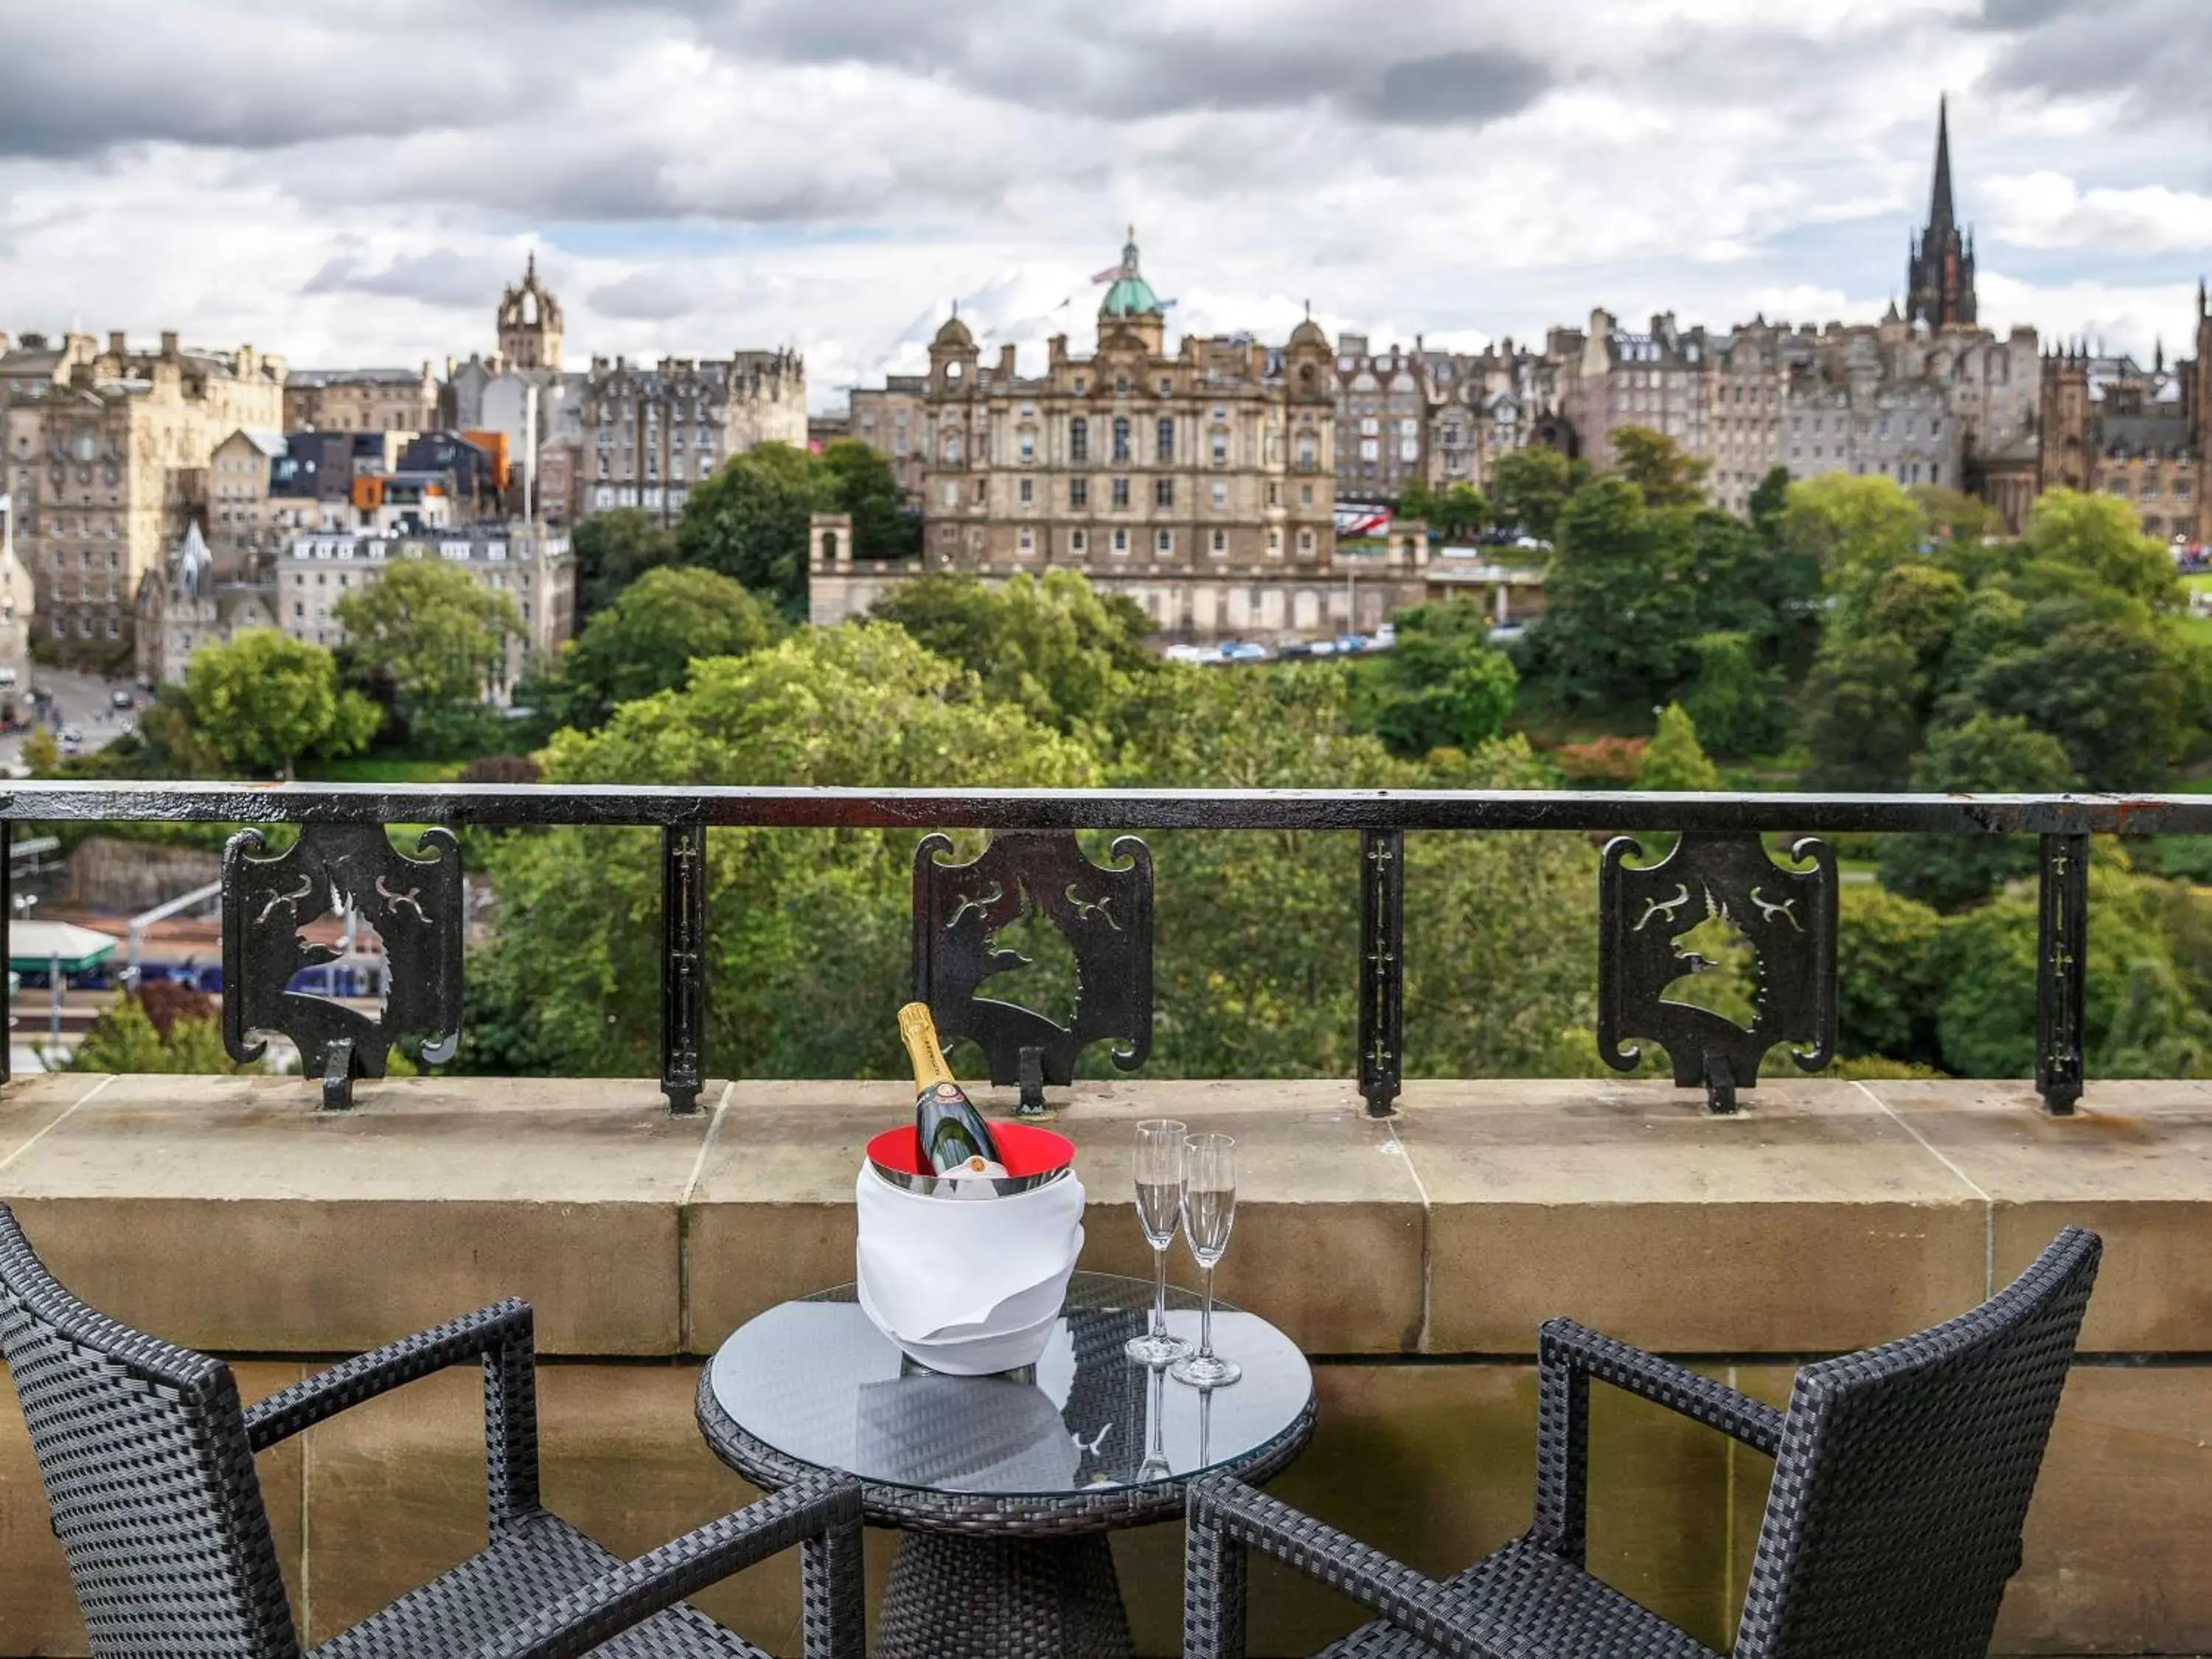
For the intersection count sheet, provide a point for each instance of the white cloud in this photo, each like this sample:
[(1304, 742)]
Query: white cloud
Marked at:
[(832, 174)]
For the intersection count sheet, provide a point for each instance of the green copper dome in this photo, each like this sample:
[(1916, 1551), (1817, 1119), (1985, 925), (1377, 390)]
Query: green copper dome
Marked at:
[(1131, 295)]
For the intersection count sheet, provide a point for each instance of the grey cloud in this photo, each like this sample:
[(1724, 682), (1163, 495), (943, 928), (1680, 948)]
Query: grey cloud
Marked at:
[(1457, 87), (2158, 53), (654, 296), (440, 277)]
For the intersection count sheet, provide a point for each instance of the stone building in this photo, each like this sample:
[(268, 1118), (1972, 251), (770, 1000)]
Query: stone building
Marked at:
[(1940, 271), (2112, 426), (522, 559), (1482, 404), (243, 522), (521, 394), (647, 434), (18, 597), (106, 454), (1201, 482), (1658, 377), (360, 400), (891, 419), (1383, 418), (189, 605), (529, 322)]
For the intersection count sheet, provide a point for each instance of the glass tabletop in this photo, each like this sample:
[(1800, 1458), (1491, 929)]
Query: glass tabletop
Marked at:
[(817, 1382)]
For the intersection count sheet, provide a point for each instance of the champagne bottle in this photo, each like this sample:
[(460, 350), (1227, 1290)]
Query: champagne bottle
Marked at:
[(955, 1140)]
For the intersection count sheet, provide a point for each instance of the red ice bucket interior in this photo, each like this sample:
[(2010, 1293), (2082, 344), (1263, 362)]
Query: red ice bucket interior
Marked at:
[(1025, 1149)]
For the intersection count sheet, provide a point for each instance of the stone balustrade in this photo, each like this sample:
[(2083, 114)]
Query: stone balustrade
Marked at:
[(1412, 1257)]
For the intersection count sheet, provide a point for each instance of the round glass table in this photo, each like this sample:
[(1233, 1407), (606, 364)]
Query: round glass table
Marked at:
[(1004, 1486)]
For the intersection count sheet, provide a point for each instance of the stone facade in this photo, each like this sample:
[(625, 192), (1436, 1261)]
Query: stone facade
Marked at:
[(1939, 275), (1200, 482), (245, 521), (892, 420), (107, 454), (190, 605), (647, 434), (521, 393), (360, 400), (520, 559), (529, 322), (2112, 426)]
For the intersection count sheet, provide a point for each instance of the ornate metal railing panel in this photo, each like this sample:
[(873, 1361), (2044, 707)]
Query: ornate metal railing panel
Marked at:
[(1103, 912), (1796, 1002), (1656, 924), (413, 904)]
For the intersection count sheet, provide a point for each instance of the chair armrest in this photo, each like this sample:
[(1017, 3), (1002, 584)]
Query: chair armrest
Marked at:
[(487, 1332), (1567, 1356), (500, 1337), (822, 1512), (1224, 1517)]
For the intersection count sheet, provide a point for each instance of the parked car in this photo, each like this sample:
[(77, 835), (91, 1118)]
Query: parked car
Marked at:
[(122, 698), (1531, 544), (1346, 643), (1187, 653), (1296, 648), (1242, 651), (1386, 636), (1502, 632)]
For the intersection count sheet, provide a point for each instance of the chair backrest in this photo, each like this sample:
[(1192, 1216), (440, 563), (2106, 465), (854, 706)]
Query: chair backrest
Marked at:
[(143, 1450), (1904, 1478)]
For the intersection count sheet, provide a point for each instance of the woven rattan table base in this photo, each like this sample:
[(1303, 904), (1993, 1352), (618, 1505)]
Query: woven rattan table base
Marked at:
[(1002, 1598)]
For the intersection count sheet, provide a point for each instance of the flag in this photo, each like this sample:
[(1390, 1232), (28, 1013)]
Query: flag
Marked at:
[(1114, 275)]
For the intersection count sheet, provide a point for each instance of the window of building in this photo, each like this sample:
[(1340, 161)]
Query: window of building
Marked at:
[(1079, 439), (1025, 495), (1121, 386), (1076, 541), (1305, 495), (1079, 492), (1220, 543), (1274, 541), (1220, 495), (1028, 445), (1025, 541), (1121, 437), (949, 492), (982, 491), (1121, 541), (1164, 440), (951, 449), (1306, 540), (1120, 492), (1163, 543), (1164, 492)]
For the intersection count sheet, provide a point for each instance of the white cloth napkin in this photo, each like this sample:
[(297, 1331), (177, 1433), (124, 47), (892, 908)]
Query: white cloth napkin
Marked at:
[(949, 1266)]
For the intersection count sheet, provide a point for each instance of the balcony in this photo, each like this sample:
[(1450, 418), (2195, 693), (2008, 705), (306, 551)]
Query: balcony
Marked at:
[(1408, 1234)]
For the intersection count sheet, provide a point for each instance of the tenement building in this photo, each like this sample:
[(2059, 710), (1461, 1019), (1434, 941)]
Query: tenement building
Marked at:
[(2140, 434), (190, 605), (523, 560), (1201, 482), (107, 457), (649, 434), (360, 400)]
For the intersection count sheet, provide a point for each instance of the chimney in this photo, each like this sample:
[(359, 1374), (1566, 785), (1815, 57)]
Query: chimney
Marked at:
[(168, 343), (115, 343), (1006, 362), (1056, 348)]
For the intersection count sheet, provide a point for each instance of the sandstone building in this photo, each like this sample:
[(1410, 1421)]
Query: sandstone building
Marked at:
[(360, 400), (189, 605), (2143, 435), (106, 454), (649, 433)]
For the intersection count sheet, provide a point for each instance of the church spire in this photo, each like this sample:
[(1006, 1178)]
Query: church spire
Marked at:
[(1940, 212)]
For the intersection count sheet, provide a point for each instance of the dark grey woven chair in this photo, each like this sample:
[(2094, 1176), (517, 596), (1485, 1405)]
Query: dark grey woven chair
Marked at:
[(147, 1457), (1902, 1477)]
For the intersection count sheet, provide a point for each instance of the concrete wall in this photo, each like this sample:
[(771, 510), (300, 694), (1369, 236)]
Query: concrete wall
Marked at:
[(1413, 1258)]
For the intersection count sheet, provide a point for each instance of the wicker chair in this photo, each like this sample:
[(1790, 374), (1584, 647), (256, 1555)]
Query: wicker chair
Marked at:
[(1902, 1477), (147, 1458)]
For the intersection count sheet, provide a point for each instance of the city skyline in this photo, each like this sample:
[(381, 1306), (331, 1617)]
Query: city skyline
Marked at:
[(833, 179)]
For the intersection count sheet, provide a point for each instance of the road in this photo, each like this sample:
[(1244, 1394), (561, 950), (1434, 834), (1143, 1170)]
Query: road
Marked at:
[(80, 699)]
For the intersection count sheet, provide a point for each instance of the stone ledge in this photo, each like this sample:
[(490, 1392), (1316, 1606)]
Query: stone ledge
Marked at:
[(1828, 1216)]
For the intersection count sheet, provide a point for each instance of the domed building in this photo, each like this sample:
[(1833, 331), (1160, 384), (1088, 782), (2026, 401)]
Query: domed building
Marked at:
[(1199, 482)]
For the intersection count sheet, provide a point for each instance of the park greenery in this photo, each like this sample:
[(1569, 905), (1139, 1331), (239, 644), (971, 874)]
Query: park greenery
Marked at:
[(1845, 632)]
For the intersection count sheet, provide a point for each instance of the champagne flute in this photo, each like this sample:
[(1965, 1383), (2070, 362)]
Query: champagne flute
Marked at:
[(1160, 1143), (1209, 1211)]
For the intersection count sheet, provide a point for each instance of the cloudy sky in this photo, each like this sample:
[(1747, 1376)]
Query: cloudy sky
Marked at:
[(351, 183)]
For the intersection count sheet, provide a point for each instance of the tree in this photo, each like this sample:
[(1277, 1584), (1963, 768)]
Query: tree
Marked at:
[(1889, 974), (41, 753), (1675, 760), (1458, 514), (1769, 499), (1443, 686), (1668, 474), (439, 638), (1852, 528), (646, 640), (752, 519), (1995, 753), (1053, 646), (264, 700), (1529, 485), (1740, 706), (612, 550), (129, 1036), (861, 483)]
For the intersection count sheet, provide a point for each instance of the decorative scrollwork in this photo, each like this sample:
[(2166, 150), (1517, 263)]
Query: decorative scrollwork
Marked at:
[(1726, 893), (413, 904), (1105, 914)]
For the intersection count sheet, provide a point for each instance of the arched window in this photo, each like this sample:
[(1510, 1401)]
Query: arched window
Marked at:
[(830, 545), (1121, 437)]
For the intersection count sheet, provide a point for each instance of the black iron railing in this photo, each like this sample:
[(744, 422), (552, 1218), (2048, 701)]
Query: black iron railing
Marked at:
[(1790, 909)]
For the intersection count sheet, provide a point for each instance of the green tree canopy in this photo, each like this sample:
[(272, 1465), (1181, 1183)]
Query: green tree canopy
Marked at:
[(1529, 485), (1668, 474), (750, 521), (1769, 499), (438, 637), (612, 550), (264, 700), (1443, 686), (645, 640), (1457, 513), (1743, 708), (1675, 759), (861, 483), (1989, 753), (1053, 646)]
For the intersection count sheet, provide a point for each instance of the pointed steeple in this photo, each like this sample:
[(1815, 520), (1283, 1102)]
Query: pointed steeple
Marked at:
[(1939, 202)]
